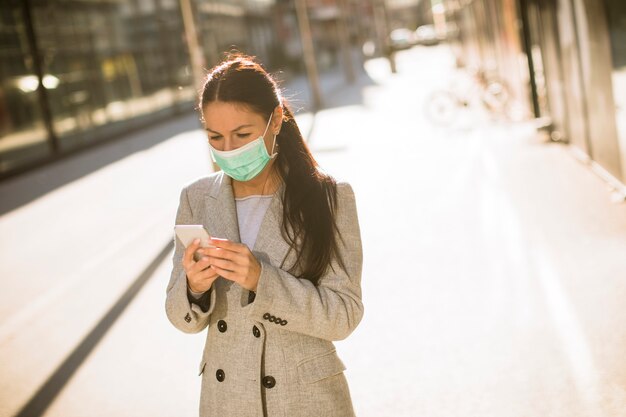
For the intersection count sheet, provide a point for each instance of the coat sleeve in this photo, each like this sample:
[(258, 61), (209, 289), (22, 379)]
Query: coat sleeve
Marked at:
[(332, 309), (184, 314)]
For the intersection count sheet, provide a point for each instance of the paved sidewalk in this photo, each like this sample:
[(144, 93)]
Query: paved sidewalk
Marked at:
[(493, 276), (75, 235)]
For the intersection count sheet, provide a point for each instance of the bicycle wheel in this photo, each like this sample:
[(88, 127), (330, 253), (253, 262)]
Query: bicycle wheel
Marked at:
[(441, 108)]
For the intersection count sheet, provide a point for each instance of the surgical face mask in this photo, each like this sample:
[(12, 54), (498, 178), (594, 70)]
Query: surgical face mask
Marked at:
[(246, 162)]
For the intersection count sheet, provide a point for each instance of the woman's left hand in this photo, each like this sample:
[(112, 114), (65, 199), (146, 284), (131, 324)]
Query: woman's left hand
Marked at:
[(234, 262)]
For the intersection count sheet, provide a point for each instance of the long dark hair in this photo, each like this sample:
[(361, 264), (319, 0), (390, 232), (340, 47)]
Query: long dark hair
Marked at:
[(310, 197)]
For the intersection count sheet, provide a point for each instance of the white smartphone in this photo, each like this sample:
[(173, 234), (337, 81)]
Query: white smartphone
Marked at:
[(187, 233)]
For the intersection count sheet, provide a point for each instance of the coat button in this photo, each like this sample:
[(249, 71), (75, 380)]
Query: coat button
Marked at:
[(221, 326), (266, 316), (256, 332), (220, 375), (277, 320), (187, 318), (283, 322), (272, 319), (269, 381)]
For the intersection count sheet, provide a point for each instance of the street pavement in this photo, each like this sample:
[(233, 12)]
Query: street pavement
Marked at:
[(493, 280)]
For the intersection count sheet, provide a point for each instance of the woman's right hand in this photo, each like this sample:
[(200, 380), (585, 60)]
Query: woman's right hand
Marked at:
[(200, 274)]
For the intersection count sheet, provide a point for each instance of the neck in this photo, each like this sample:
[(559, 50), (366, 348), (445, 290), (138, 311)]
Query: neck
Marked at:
[(265, 183)]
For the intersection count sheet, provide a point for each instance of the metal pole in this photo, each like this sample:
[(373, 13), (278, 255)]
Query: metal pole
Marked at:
[(346, 47), (382, 30), (528, 46), (42, 93), (391, 54), (309, 53), (195, 53)]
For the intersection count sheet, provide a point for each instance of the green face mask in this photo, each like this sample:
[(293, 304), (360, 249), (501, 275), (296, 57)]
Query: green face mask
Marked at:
[(246, 162)]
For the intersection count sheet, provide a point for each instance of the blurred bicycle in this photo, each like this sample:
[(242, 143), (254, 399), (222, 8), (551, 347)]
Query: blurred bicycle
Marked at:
[(476, 88)]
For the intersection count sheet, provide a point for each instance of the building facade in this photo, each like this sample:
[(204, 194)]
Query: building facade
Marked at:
[(78, 72), (566, 59)]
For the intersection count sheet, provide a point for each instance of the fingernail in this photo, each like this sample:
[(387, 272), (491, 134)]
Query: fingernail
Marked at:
[(200, 251), (196, 241)]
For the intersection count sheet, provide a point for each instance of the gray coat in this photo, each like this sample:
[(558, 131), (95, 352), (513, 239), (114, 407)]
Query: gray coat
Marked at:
[(271, 355)]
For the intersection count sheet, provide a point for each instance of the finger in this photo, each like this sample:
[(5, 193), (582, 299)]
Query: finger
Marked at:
[(219, 253), (195, 267), (197, 256), (203, 278), (237, 257), (208, 274), (200, 265), (224, 273), (225, 264), (189, 251), (227, 244)]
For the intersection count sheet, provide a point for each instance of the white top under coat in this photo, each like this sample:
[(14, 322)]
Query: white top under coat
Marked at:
[(250, 213)]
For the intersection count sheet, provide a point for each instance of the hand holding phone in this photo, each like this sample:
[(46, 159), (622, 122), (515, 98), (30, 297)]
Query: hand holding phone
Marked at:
[(187, 233), (200, 276)]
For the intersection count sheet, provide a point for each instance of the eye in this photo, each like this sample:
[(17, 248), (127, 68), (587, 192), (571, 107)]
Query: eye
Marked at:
[(243, 135), (214, 137)]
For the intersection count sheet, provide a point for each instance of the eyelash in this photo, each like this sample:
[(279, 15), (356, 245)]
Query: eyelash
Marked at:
[(239, 135)]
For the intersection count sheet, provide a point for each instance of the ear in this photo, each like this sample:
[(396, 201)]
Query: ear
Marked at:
[(277, 119)]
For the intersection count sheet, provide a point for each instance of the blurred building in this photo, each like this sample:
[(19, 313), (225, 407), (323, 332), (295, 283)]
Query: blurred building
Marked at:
[(75, 73), (565, 58), (334, 24), (107, 66), (408, 13)]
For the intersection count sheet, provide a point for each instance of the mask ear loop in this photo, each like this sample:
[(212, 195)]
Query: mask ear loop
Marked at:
[(273, 155)]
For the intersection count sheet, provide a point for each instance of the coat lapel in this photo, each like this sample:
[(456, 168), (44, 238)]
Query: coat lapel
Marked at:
[(269, 241), (221, 218)]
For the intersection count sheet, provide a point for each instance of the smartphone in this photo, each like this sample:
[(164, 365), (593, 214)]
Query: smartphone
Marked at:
[(187, 233)]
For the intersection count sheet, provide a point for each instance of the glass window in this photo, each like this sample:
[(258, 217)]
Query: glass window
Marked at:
[(67, 45), (106, 65), (222, 29), (23, 135), (114, 62)]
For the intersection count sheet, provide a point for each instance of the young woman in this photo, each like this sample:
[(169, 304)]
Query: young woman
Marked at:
[(283, 280)]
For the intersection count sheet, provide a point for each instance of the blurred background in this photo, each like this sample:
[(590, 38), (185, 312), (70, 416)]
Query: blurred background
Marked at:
[(485, 141)]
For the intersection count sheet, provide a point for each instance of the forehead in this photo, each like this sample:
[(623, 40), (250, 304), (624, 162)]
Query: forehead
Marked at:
[(221, 116)]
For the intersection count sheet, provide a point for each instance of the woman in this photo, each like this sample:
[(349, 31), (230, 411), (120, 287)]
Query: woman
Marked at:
[(283, 280)]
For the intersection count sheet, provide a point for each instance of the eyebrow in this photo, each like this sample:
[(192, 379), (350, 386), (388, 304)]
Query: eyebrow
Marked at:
[(234, 130)]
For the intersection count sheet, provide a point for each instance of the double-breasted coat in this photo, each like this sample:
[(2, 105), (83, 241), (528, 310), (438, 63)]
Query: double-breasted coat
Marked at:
[(271, 354)]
